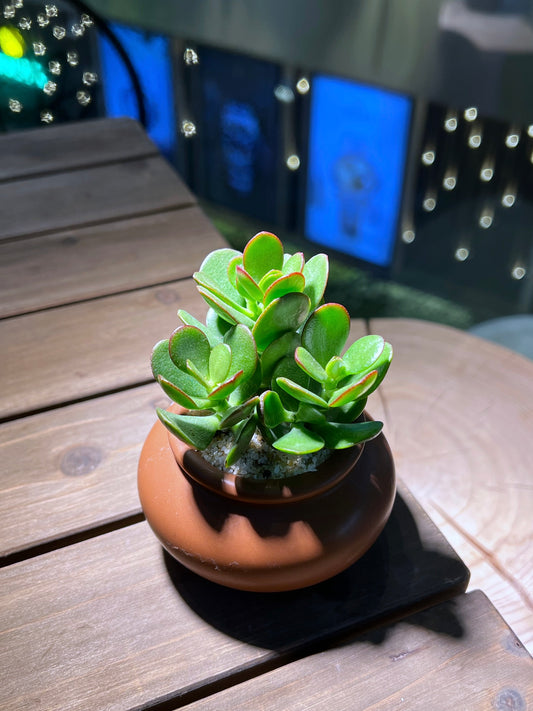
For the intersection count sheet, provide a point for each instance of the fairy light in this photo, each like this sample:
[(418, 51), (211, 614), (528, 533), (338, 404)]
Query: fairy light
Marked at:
[(190, 56), (293, 162), (470, 113), (188, 129), (512, 139), (449, 180), (487, 172), (530, 130), (408, 236), (429, 203), (486, 219), (518, 272), (284, 93), (428, 157), (509, 197), (475, 138), (303, 85), (450, 122), (462, 254)]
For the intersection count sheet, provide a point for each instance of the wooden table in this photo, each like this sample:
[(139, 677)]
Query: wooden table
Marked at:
[(98, 241)]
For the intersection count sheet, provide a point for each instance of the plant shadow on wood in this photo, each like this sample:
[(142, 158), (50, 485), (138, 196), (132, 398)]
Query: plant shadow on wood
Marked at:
[(401, 573)]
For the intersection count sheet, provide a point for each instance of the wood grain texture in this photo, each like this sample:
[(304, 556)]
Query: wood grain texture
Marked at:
[(73, 469), (111, 623), (459, 654), (84, 349), (94, 195), (71, 145), (73, 265), (458, 413)]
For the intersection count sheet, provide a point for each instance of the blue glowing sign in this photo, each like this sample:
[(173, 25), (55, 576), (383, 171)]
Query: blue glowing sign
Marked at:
[(357, 151), (149, 54)]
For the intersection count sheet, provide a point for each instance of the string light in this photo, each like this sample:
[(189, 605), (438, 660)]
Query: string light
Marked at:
[(509, 197), (486, 219), (408, 236), (470, 113), (518, 272), (475, 137), (530, 130), (428, 157), (512, 139), (450, 180), (462, 254), (487, 171), (293, 162), (190, 56), (450, 122), (188, 129), (303, 85), (429, 203)]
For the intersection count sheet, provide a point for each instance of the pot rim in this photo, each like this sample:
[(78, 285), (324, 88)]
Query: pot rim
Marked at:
[(267, 491)]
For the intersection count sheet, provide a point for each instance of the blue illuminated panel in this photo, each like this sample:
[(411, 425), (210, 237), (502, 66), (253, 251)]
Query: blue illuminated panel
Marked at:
[(357, 150), (149, 54)]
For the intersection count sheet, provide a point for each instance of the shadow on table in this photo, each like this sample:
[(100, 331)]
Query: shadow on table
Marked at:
[(403, 571)]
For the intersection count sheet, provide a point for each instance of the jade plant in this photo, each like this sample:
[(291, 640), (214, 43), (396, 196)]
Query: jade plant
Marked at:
[(269, 357)]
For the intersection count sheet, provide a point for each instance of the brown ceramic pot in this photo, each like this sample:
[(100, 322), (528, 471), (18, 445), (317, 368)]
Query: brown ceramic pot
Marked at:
[(280, 534)]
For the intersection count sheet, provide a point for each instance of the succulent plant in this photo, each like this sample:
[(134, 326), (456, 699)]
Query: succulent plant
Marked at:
[(269, 357)]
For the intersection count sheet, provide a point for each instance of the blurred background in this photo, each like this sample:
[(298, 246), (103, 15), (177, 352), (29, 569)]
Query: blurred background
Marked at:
[(397, 135)]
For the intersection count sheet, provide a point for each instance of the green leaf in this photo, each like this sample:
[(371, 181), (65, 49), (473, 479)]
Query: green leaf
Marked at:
[(284, 285), (178, 395), (242, 442), (243, 350), (262, 253), (316, 272), (269, 278), (310, 414), (293, 262), (282, 315), (246, 389), (336, 369), (300, 393), (163, 366), (326, 331), (188, 343), (363, 353), (207, 284), (235, 262), (224, 389), (341, 435), (349, 412), (213, 335), (247, 286), (216, 324), (238, 413), (219, 362), (299, 441), (381, 365), (309, 365), (198, 375), (271, 409), (354, 391), (226, 312), (278, 349), (195, 430), (215, 268), (287, 368)]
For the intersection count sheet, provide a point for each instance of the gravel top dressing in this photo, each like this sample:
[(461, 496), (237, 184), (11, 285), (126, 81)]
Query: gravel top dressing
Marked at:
[(261, 460)]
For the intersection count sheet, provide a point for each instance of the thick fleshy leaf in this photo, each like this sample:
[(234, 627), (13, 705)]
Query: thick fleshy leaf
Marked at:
[(215, 267), (195, 430), (269, 278), (246, 388), (213, 335), (242, 442), (216, 324), (299, 441), (278, 349), (310, 414), (207, 284), (226, 312), (293, 262), (238, 413), (287, 368), (224, 389), (284, 285), (197, 374), (176, 394), (188, 343), (235, 262), (300, 393), (272, 411), (326, 331), (341, 435), (310, 365), (363, 353), (262, 253), (381, 365), (336, 369), (349, 412), (282, 315), (316, 272), (243, 350), (163, 365), (354, 391), (219, 362), (247, 286)]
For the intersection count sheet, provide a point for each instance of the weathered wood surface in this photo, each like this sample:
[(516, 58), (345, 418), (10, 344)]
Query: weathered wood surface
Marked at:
[(69, 266), (68, 199), (71, 352), (72, 145), (73, 469), (456, 655), (112, 623), (458, 414)]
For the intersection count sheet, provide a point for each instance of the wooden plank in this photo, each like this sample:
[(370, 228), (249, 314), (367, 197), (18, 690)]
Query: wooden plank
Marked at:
[(78, 264), (458, 412), (72, 145), (110, 623), (90, 196), (458, 654), (76, 351), (73, 469)]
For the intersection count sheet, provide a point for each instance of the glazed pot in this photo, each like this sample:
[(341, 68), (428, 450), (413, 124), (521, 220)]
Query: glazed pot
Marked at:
[(272, 535)]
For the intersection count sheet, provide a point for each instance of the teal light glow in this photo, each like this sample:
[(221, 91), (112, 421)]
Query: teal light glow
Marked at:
[(22, 70)]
